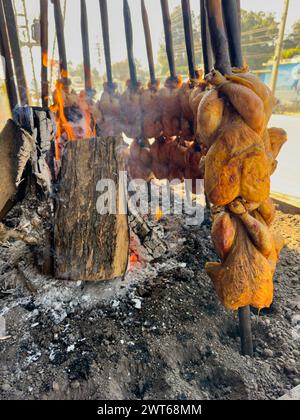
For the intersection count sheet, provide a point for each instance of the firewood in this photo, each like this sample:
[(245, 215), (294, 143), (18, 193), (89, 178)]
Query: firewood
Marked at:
[(16, 147), (89, 246)]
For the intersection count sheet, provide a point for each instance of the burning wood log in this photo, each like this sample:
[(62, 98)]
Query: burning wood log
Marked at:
[(25, 155), (90, 246), (15, 50), (5, 52)]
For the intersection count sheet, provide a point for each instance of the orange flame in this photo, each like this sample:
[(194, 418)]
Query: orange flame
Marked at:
[(45, 59), (159, 214), (58, 108)]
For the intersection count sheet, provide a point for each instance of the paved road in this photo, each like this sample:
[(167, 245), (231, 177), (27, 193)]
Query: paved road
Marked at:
[(286, 179)]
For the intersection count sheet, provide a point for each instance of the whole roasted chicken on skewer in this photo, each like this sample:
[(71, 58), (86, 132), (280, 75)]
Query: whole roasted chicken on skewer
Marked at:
[(241, 156), (107, 112)]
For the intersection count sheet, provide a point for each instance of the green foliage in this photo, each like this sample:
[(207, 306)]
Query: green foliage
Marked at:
[(293, 40), (290, 53), (179, 45), (259, 34), (120, 71)]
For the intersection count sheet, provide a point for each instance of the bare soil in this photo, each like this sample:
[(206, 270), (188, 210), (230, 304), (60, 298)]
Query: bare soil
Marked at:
[(159, 334)]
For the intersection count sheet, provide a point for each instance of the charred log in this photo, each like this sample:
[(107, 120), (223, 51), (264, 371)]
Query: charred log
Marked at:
[(89, 246)]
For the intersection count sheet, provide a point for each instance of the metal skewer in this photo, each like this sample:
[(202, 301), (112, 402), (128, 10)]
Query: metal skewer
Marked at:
[(106, 42), (189, 37), (129, 43), (5, 52), (44, 51), (233, 29), (218, 36), (59, 24), (168, 36), (15, 50), (86, 47), (208, 58), (148, 43)]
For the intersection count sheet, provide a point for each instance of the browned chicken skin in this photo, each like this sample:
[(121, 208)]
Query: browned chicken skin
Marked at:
[(170, 107), (151, 113), (131, 111)]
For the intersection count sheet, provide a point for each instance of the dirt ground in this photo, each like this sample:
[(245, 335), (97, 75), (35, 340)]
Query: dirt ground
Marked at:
[(159, 334)]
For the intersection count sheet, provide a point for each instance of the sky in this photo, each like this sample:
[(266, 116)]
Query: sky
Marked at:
[(118, 45)]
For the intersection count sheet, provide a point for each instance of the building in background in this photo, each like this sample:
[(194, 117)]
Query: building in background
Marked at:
[(288, 83)]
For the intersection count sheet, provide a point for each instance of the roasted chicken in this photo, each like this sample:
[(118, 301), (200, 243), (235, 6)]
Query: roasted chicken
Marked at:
[(151, 113), (107, 112), (249, 252), (169, 102), (131, 111)]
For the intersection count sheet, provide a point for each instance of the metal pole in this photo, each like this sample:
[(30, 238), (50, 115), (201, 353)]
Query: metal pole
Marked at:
[(16, 50), (279, 44), (148, 43), (218, 36), (129, 43), (5, 52), (59, 24), (245, 331), (106, 42), (208, 58), (233, 29), (168, 36), (189, 36), (86, 47), (44, 50)]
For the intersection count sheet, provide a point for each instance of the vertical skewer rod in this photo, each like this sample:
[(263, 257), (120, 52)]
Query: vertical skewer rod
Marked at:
[(129, 43), (106, 42), (233, 29), (208, 59), (168, 36), (44, 52), (86, 47), (5, 52), (218, 36), (189, 36), (245, 331), (148, 43), (16, 50), (59, 24)]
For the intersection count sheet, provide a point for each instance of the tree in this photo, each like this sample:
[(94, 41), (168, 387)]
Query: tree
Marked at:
[(293, 39), (120, 72), (259, 34)]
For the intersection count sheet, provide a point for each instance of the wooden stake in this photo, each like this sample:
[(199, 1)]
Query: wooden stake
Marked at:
[(168, 36), (15, 50), (208, 58), (5, 52), (106, 42), (148, 43), (44, 51), (245, 331), (86, 47), (189, 37)]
